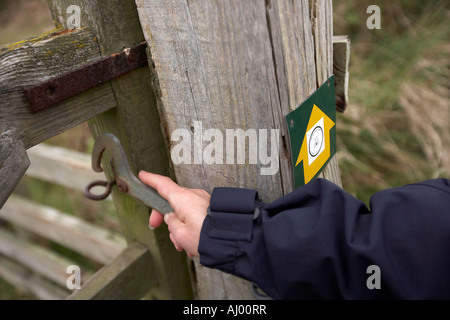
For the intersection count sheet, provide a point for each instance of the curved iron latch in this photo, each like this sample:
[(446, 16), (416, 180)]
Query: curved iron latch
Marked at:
[(125, 180)]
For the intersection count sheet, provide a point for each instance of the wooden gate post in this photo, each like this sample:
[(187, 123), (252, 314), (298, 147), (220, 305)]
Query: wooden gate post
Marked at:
[(235, 65), (135, 121)]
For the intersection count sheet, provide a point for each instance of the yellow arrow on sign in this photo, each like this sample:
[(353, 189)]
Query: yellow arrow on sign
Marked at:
[(316, 148)]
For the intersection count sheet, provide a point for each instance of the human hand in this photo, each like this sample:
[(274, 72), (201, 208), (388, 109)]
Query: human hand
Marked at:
[(190, 207)]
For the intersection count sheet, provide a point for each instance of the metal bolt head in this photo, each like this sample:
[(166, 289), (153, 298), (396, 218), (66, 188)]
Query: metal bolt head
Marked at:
[(122, 186)]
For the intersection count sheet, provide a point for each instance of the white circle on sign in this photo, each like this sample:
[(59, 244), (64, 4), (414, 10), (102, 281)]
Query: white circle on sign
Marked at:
[(316, 141)]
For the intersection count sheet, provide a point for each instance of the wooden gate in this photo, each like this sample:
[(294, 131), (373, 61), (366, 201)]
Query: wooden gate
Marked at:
[(211, 64)]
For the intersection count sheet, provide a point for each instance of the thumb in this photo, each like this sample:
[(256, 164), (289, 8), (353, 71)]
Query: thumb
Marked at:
[(156, 219)]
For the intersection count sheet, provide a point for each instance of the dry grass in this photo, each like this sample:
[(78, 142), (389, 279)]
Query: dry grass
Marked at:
[(396, 130)]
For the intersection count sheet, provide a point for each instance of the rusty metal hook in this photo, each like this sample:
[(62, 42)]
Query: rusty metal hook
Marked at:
[(98, 197), (125, 179)]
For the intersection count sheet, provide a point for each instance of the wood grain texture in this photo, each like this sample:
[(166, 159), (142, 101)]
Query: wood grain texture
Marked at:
[(13, 163), (235, 65), (322, 24), (129, 276), (213, 60), (91, 241), (27, 281), (32, 62), (62, 166), (322, 21), (136, 123), (213, 63), (341, 62), (39, 259)]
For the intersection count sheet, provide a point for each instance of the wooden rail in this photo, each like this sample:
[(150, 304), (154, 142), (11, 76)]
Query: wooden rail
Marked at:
[(38, 264), (36, 258), (62, 166), (93, 242), (129, 276), (30, 62), (21, 277)]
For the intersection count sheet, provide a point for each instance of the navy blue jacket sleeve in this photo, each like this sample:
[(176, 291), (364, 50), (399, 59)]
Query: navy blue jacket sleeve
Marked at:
[(319, 242)]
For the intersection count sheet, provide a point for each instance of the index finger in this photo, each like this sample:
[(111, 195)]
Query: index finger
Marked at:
[(165, 186)]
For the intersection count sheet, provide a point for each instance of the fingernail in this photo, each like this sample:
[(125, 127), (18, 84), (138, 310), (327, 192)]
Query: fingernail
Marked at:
[(166, 218), (151, 228)]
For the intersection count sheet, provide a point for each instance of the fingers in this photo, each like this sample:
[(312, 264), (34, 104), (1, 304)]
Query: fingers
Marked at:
[(164, 185), (156, 219), (177, 230), (190, 206), (177, 246), (175, 225)]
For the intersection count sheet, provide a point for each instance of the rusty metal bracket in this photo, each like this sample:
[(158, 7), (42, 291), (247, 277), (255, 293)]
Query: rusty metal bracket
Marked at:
[(46, 94)]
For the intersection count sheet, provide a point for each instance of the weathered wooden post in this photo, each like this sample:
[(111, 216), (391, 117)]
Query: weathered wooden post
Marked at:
[(235, 65), (135, 121)]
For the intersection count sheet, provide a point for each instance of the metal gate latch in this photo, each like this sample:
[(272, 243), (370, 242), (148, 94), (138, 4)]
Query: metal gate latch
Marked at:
[(53, 91), (125, 180)]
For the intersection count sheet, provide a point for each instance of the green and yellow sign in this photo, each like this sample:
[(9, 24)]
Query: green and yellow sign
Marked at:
[(312, 133)]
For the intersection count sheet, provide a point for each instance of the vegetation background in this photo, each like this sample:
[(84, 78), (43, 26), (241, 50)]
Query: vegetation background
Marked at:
[(396, 129)]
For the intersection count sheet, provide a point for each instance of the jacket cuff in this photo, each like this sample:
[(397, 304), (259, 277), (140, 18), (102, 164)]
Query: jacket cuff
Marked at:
[(229, 220)]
